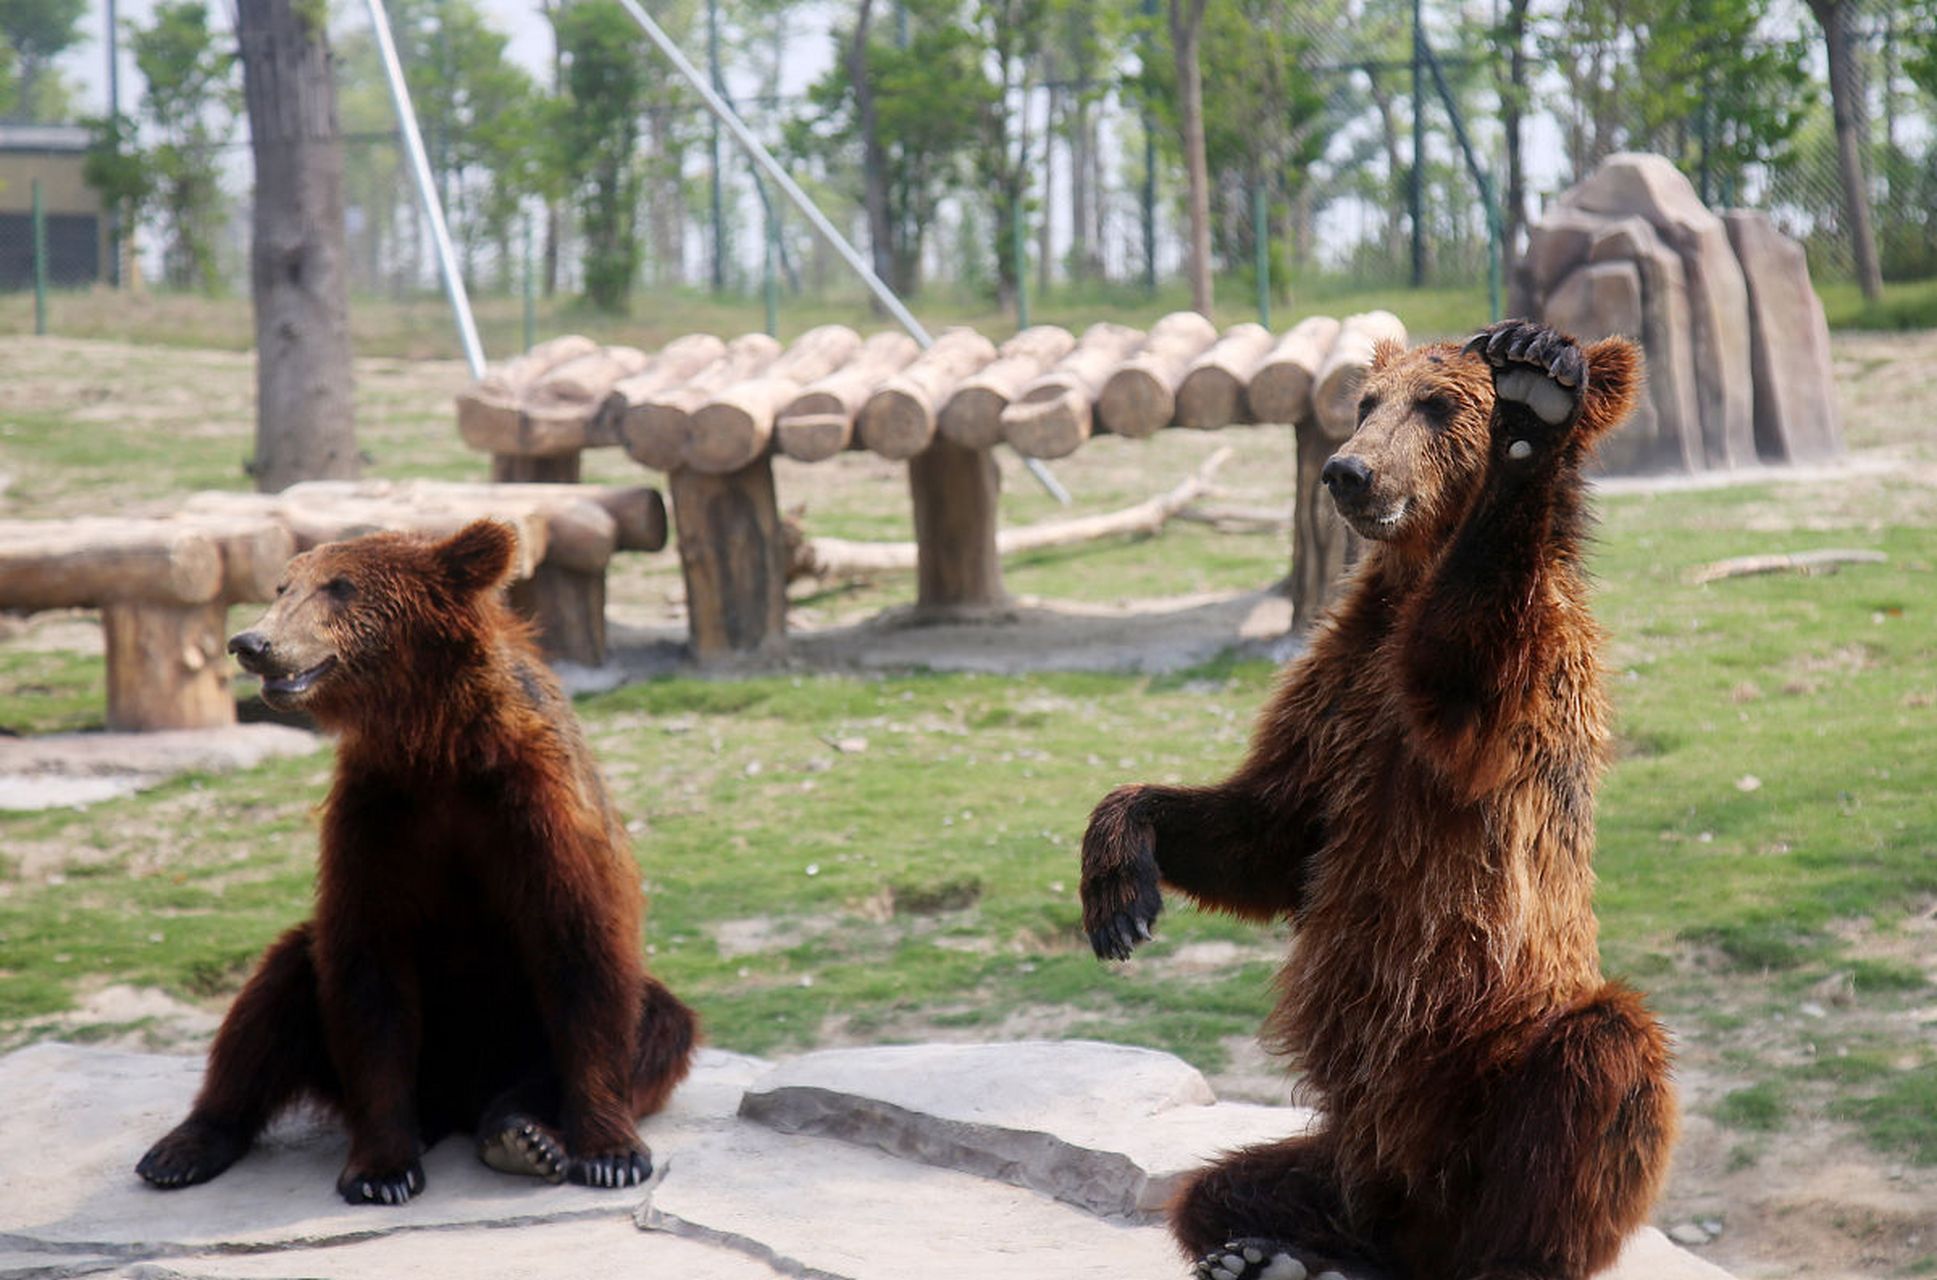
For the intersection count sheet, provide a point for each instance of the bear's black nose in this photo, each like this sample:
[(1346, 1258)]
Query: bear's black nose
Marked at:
[(1346, 477), (249, 646)]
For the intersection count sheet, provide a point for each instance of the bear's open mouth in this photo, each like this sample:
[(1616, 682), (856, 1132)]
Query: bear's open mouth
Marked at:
[(301, 682), (1383, 525)]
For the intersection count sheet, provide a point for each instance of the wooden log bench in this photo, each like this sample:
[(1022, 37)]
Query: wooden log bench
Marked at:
[(713, 415), (164, 587), (567, 536)]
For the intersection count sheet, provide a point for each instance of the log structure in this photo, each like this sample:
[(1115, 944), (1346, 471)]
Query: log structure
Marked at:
[(1052, 416), (164, 587), (819, 422), (712, 415), (656, 428), (972, 417), (903, 415), (567, 536), (1213, 392), (733, 428)]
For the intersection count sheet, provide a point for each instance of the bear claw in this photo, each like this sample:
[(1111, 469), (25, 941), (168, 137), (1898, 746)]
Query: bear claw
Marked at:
[(1253, 1260), (193, 1152), (523, 1146), (1534, 366), (615, 1169), (393, 1188)]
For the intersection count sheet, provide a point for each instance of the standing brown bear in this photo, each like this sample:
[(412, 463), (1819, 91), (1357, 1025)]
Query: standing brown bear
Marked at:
[(474, 961), (1419, 801)]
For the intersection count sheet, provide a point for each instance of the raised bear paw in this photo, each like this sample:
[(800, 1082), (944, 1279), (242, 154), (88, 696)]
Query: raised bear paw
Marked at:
[(1120, 892), (386, 1186), (193, 1151), (521, 1145), (1539, 383), (1256, 1260), (612, 1169)]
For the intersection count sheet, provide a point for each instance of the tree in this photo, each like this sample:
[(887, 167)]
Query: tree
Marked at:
[(1515, 100), (1846, 102), (608, 71), (305, 410), (38, 32), (1011, 33), (1186, 24), (188, 102)]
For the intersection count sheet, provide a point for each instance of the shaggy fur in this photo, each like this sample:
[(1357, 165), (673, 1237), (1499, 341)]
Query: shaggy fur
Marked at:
[(1418, 799), (474, 961)]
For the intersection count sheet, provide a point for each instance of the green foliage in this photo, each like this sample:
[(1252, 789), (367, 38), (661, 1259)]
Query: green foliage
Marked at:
[(34, 33), (609, 72), (190, 104)]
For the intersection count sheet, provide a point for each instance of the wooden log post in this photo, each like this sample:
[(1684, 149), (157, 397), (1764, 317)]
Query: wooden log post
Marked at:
[(735, 426), (1335, 395), (733, 555), (1281, 385), (972, 416), (487, 411), (1212, 394), (1051, 418), (165, 665), (900, 419), (655, 429), (958, 566), (1140, 396), (819, 422)]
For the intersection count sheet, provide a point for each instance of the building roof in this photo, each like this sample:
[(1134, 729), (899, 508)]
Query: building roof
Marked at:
[(45, 138)]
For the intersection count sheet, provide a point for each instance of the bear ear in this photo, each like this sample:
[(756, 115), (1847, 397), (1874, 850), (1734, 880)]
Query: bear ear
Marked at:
[(1615, 373), (1384, 352), (478, 556)]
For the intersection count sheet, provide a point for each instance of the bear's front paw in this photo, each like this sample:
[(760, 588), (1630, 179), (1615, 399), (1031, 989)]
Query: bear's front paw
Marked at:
[(194, 1151), (612, 1169), (1121, 897), (1539, 383), (1255, 1260), (381, 1186)]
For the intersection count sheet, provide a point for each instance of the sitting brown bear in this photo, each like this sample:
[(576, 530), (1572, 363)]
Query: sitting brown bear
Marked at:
[(1419, 801), (474, 962)]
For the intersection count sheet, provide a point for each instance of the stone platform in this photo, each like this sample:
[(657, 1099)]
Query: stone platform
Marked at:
[(997, 1162)]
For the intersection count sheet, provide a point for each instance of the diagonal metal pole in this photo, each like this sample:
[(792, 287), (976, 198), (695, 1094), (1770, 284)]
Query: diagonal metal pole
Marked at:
[(467, 328), (727, 116)]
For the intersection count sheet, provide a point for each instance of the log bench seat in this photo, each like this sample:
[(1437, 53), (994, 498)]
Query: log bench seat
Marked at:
[(567, 536), (164, 587), (712, 415)]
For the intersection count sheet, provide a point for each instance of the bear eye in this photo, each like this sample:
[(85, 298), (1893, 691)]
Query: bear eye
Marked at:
[(281, 587), (340, 589), (1366, 406), (1438, 409)]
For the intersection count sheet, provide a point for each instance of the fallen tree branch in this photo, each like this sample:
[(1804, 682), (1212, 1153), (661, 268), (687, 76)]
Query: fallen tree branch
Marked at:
[(1239, 519), (1823, 561), (840, 557)]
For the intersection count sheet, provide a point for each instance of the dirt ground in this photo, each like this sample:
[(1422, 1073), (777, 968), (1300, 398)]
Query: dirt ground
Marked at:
[(1817, 1202)]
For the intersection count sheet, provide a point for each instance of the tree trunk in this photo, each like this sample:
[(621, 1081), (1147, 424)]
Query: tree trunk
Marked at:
[(1512, 106), (305, 428), (1080, 191), (874, 157), (1045, 242), (1186, 24), (1846, 100)]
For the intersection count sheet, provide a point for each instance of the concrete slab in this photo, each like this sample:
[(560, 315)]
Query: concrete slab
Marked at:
[(63, 770)]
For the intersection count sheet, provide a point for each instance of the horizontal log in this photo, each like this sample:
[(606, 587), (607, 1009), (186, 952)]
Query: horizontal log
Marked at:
[(254, 550), (676, 362), (510, 379), (655, 430), (92, 562), (972, 416), (1051, 418), (584, 382), (813, 437), (1822, 560), (638, 511), (1140, 395), (841, 394), (1281, 385), (1335, 396), (1212, 394), (902, 417), (735, 426)]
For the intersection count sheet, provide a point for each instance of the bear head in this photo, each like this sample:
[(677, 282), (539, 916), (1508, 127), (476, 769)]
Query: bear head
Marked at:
[(367, 623)]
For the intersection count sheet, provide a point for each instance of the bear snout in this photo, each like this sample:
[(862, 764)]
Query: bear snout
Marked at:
[(251, 649), (1346, 477)]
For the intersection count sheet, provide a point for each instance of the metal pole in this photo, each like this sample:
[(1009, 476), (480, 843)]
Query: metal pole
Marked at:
[(531, 291), (1261, 233), (40, 264), (771, 284), (1417, 196), (802, 201), (467, 328)]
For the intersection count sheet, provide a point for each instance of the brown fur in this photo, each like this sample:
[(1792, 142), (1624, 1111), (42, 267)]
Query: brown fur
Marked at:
[(474, 960), (1418, 799)]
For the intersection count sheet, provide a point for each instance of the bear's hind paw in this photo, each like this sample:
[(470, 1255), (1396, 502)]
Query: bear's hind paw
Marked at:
[(391, 1187), (1252, 1259), (523, 1146)]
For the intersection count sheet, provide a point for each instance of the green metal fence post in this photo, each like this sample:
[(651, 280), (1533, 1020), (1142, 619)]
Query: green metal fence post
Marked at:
[(1021, 250), (40, 263), (531, 292), (1261, 233), (771, 284)]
